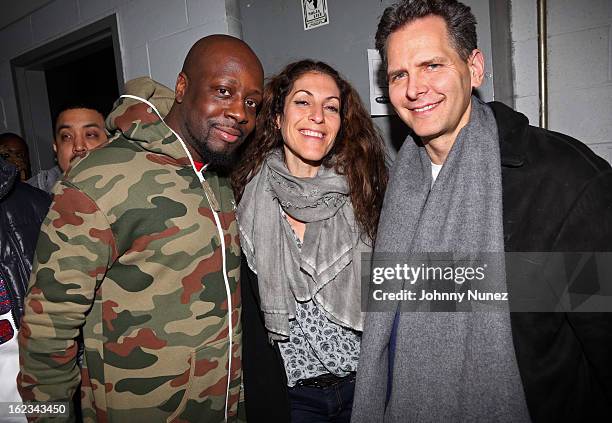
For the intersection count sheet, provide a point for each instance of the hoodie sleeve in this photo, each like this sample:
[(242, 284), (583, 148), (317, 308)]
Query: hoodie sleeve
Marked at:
[(74, 249)]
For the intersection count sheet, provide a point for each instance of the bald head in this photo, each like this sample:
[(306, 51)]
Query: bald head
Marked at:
[(214, 45), (216, 98)]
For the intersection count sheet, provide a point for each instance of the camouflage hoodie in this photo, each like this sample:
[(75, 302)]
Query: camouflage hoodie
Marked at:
[(130, 252)]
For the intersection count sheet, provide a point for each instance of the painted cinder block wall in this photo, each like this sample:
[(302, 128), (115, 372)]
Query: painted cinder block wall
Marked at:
[(343, 44), (579, 68), (155, 36)]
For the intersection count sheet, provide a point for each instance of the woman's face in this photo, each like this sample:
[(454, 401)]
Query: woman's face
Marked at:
[(310, 122)]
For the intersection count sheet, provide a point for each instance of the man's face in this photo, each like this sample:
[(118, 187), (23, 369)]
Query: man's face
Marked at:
[(219, 107), (15, 151), (76, 132), (429, 84)]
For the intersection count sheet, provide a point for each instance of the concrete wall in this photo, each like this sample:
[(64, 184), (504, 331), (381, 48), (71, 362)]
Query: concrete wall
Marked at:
[(274, 29), (154, 36), (579, 68)]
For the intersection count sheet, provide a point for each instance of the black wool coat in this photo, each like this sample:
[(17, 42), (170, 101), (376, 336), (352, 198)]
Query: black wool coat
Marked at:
[(557, 196)]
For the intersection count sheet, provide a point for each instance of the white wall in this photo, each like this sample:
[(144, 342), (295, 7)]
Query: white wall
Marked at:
[(155, 36), (579, 68)]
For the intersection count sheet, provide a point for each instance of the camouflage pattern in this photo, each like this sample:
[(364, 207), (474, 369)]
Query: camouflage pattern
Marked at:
[(129, 251)]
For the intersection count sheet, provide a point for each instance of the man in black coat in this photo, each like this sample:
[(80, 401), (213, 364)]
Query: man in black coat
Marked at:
[(557, 197), (477, 177), (22, 210)]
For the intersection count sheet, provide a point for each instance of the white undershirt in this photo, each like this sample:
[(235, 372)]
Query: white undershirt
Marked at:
[(435, 170)]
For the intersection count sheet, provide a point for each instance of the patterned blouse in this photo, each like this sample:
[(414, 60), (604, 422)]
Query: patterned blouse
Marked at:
[(316, 345)]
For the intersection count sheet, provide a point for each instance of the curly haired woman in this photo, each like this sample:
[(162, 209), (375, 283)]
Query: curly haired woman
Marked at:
[(310, 186)]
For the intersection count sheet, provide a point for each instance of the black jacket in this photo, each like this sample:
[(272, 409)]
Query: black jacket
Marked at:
[(263, 373), (22, 210), (557, 196)]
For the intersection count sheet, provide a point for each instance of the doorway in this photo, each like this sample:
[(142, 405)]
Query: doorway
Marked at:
[(80, 68)]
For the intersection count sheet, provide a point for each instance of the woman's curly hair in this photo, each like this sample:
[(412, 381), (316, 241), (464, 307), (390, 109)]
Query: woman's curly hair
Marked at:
[(358, 151)]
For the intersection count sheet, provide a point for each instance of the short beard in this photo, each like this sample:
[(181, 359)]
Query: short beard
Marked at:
[(219, 162)]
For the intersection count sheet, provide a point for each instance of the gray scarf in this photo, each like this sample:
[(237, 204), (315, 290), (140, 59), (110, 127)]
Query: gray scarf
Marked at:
[(326, 269), (448, 366)]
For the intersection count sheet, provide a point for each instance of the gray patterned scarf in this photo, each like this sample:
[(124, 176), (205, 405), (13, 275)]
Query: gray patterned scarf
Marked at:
[(327, 269)]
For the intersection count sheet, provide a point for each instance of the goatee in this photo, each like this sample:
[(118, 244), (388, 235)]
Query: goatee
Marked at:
[(221, 162)]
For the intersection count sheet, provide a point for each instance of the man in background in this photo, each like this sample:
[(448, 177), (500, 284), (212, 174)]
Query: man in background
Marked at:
[(477, 178), (78, 129), (14, 150), (22, 209)]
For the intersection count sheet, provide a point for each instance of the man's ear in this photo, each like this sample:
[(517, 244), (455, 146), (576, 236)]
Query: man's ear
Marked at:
[(54, 147), (181, 87), (476, 65), (278, 121)]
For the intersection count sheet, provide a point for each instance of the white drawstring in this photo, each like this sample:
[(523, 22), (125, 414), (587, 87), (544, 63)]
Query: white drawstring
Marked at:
[(221, 237)]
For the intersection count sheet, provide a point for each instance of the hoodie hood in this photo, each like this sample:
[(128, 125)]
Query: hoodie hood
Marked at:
[(128, 110), (135, 119)]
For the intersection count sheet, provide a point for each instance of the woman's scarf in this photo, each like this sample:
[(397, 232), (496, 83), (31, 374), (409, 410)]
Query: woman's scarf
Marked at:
[(326, 269)]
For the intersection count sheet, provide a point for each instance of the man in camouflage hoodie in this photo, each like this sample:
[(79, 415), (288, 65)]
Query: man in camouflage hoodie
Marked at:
[(131, 252)]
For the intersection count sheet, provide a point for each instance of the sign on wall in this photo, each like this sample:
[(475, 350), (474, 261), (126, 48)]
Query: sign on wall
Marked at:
[(380, 105), (315, 13)]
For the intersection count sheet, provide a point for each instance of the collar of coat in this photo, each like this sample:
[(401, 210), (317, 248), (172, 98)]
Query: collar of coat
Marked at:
[(512, 127)]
